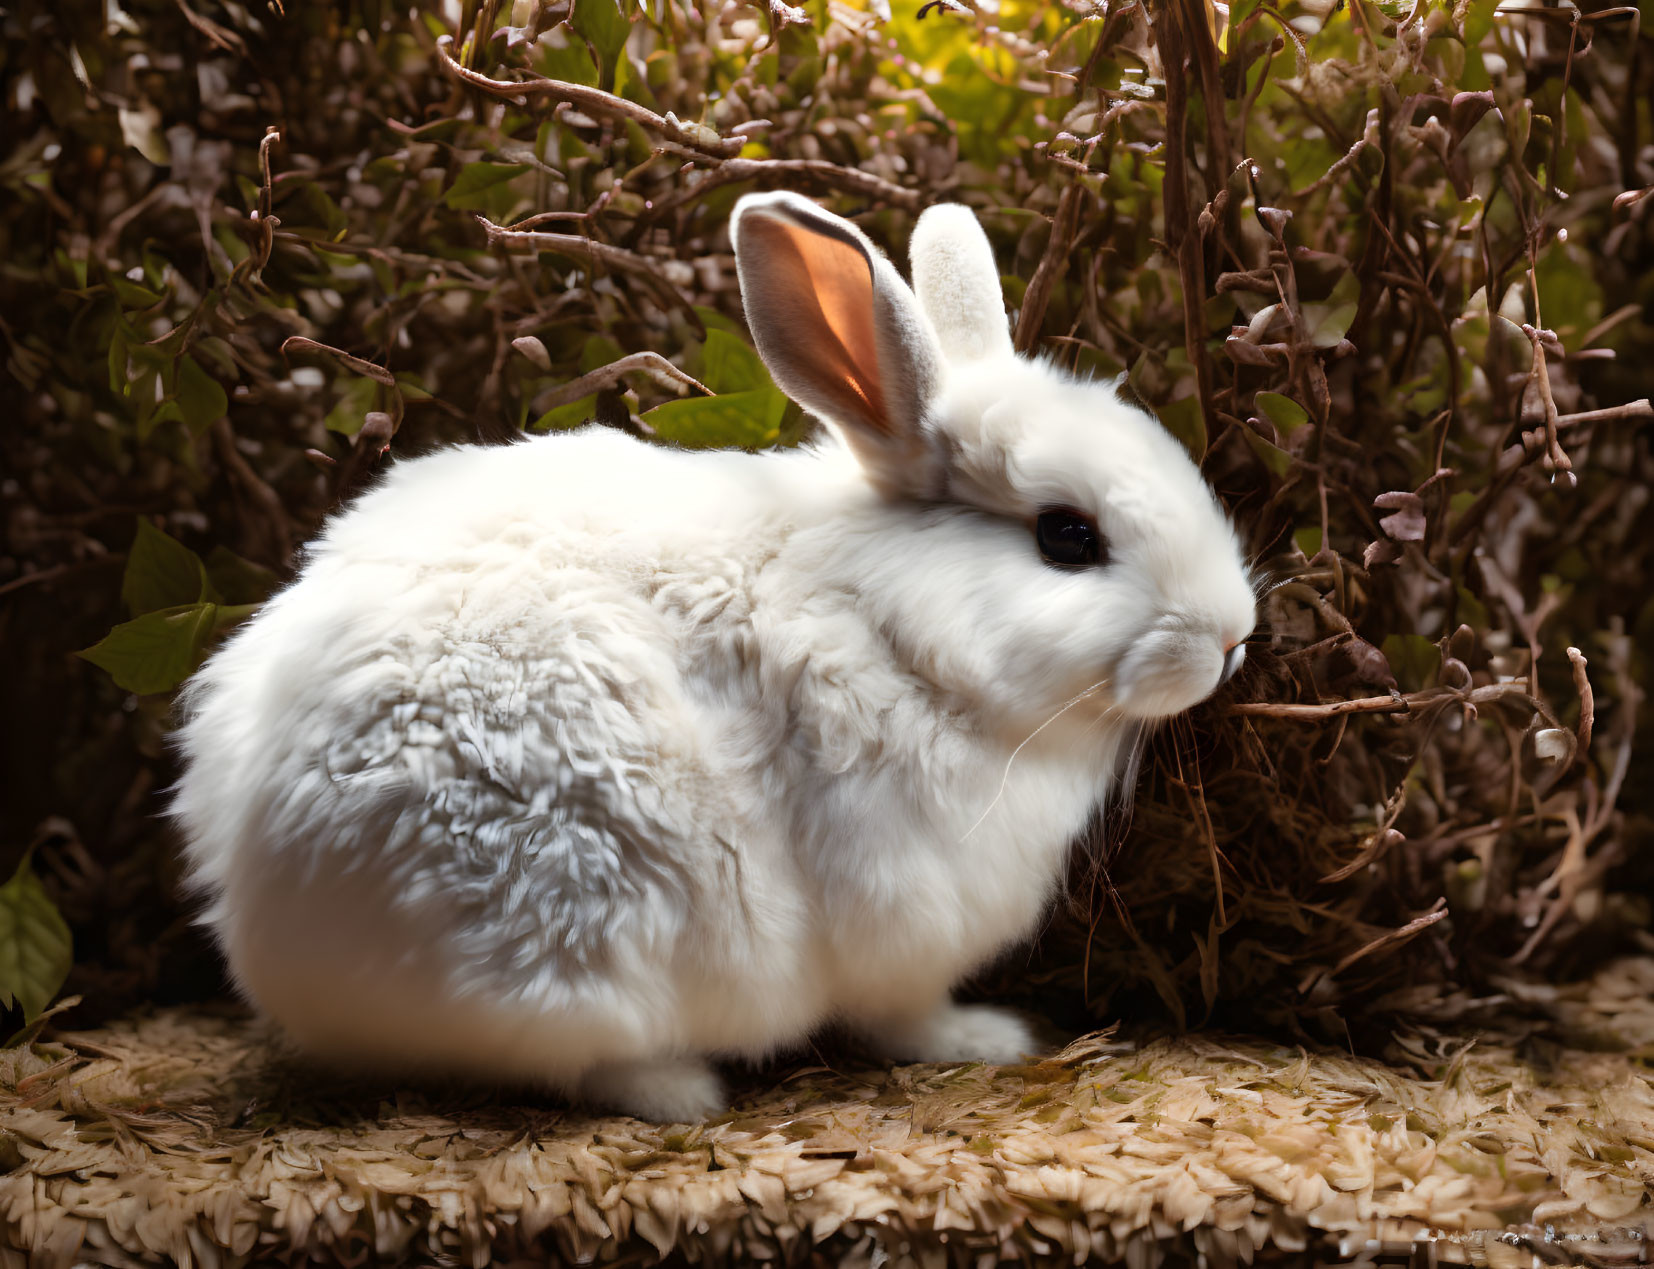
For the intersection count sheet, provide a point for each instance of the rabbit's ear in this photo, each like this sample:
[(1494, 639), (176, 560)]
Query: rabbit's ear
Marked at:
[(840, 331), (958, 283)]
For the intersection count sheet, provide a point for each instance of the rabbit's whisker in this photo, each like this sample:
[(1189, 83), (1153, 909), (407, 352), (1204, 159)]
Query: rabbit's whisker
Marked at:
[(1005, 779), (1264, 587)]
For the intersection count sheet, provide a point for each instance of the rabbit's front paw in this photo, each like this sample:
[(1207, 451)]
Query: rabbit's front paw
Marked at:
[(956, 1033), (664, 1090)]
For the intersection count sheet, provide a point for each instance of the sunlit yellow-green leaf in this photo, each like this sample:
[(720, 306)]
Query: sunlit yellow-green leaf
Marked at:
[(729, 365), (746, 420)]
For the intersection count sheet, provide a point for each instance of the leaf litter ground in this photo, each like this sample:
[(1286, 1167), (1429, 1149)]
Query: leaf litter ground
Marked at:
[(182, 1135)]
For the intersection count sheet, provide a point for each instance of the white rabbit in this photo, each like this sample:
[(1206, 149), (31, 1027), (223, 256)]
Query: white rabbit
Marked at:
[(582, 761)]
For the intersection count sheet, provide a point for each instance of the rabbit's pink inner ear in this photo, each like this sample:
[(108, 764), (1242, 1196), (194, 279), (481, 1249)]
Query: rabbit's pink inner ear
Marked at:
[(828, 285)]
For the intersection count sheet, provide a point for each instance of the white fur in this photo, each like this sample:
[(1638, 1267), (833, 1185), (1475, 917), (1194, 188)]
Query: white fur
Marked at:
[(958, 284), (581, 760)]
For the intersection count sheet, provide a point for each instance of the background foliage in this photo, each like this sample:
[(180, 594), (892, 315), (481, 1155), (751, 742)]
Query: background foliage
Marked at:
[(1387, 269)]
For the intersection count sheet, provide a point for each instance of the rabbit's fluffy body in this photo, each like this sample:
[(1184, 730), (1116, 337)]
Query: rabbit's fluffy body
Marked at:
[(579, 760)]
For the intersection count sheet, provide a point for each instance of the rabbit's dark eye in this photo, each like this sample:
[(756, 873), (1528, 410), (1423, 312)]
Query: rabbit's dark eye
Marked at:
[(1070, 539)]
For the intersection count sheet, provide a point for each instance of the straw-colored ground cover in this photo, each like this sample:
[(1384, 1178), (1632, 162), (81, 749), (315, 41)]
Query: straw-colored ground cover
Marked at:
[(181, 1135), (1386, 267)]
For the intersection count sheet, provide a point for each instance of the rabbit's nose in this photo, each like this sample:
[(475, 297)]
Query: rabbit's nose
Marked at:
[(1234, 656)]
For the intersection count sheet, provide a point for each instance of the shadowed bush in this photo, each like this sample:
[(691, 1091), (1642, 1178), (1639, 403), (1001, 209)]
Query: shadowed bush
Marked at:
[(1387, 270)]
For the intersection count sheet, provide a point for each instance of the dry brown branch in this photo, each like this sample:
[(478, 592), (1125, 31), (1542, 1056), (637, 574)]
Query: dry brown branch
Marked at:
[(1324, 710), (222, 36), (594, 253), (1515, 457), (1381, 840), (1053, 263), (47, 575), (299, 343), (1587, 701), (1197, 38), (1554, 458), (270, 525), (1181, 232), (593, 101), (1401, 935), (589, 249), (790, 174), (1486, 694), (607, 376), (1641, 409), (1565, 881)]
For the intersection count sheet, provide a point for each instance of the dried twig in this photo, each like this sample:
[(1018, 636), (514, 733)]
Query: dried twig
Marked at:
[(1181, 231), (298, 343), (1416, 926), (593, 101), (1554, 458), (590, 250), (1323, 710), (270, 524), (1587, 702), (1053, 263), (790, 173), (607, 376), (222, 36), (1486, 694), (1515, 457)]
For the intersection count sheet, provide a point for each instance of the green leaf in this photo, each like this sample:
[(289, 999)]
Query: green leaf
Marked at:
[(749, 420), (599, 351), (606, 27), (238, 580), (162, 572), (131, 295), (1471, 610), (1277, 460), (200, 396), (569, 60), (471, 187), (118, 341), (158, 651), (1185, 420), (351, 410), (1328, 322), (1570, 298), (1285, 413), (1307, 161), (410, 387), (1477, 16), (1413, 659), (712, 320), (36, 951), (310, 205), (1308, 540), (729, 365), (562, 417)]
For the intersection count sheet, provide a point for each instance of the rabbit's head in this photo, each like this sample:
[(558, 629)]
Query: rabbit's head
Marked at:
[(1061, 538)]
